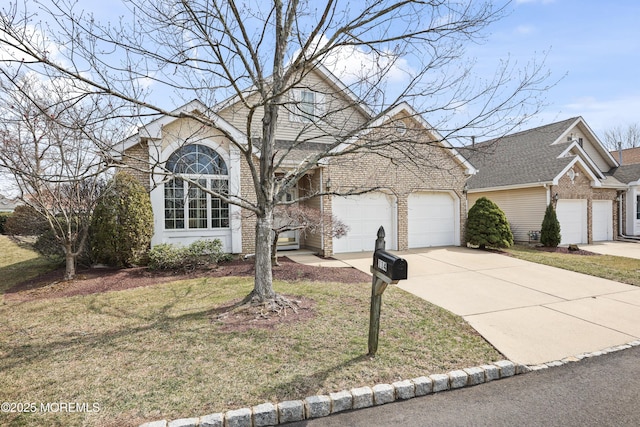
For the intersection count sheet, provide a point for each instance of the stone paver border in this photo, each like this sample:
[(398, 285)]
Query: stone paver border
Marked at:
[(363, 397)]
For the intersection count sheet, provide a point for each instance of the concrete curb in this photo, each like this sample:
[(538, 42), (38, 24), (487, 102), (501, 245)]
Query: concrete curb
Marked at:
[(364, 397)]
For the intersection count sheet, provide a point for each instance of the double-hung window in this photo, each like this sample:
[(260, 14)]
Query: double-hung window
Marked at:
[(308, 106), (190, 199)]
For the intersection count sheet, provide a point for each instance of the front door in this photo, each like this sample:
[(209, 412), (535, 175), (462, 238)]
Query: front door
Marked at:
[(289, 240)]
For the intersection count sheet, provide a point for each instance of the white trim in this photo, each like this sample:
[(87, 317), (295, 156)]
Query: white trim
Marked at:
[(230, 236), (509, 187), (583, 155), (595, 182), (126, 144), (592, 136), (153, 129)]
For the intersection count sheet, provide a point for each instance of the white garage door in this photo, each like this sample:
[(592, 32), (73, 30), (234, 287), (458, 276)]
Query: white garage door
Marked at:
[(364, 214), (602, 220), (572, 215), (432, 220)]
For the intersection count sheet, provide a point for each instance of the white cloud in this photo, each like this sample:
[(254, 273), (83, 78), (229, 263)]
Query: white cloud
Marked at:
[(351, 64), (30, 36), (603, 114)]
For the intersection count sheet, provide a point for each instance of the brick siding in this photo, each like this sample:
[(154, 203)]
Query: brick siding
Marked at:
[(580, 188)]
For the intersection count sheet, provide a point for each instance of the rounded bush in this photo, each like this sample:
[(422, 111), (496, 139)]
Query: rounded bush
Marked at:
[(487, 225), (200, 253), (25, 221)]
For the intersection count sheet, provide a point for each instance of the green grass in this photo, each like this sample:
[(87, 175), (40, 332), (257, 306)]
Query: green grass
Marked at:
[(158, 352), (19, 263), (620, 269)]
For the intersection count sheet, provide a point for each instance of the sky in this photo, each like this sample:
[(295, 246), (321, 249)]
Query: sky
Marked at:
[(593, 48)]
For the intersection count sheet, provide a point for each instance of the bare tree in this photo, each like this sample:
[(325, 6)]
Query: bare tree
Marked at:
[(55, 167), (621, 137), (303, 219), (258, 57)]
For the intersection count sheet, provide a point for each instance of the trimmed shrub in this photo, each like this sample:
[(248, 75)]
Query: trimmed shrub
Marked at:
[(550, 231), (3, 220), (25, 221), (122, 223), (48, 245), (201, 253), (487, 225)]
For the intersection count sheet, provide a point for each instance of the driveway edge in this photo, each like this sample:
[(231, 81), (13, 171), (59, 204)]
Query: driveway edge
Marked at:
[(324, 405)]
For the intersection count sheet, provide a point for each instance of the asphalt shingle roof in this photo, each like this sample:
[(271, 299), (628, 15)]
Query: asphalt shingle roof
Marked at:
[(521, 158), (627, 173)]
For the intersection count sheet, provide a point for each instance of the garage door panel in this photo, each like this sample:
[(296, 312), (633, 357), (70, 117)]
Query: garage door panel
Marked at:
[(432, 220), (572, 216), (364, 214), (602, 225)]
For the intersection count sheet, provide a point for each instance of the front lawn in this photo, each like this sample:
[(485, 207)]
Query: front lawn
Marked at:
[(19, 263), (620, 269), (159, 352)]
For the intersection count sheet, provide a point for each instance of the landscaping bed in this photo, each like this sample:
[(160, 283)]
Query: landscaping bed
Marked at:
[(143, 346)]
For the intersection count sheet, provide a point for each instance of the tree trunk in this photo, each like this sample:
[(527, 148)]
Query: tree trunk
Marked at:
[(70, 263), (263, 287), (274, 248)]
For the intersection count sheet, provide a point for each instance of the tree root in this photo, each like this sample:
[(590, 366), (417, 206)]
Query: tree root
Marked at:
[(264, 308)]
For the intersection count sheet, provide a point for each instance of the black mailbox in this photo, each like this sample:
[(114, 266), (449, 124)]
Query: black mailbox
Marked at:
[(390, 265)]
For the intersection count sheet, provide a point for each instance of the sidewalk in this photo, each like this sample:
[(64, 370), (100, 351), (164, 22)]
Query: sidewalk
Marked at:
[(530, 312)]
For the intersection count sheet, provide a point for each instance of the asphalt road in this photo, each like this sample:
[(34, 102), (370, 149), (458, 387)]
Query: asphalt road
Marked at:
[(600, 391)]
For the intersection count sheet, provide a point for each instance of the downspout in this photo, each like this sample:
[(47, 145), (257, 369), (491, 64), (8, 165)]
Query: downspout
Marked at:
[(322, 229)]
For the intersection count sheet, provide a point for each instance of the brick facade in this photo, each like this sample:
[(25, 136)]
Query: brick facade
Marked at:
[(136, 159), (430, 167), (580, 188), (400, 172)]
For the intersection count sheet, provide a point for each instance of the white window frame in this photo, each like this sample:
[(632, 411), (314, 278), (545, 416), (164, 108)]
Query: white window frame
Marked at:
[(306, 110), (201, 185)]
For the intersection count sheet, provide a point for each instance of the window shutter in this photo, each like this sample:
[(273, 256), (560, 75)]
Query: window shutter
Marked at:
[(321, 106), (295, 97)]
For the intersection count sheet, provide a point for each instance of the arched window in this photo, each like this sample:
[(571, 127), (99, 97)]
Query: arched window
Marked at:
[(188, 202)]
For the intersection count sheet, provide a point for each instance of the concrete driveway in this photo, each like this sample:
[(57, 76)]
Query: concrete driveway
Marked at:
[(626, 249), (530, 312)]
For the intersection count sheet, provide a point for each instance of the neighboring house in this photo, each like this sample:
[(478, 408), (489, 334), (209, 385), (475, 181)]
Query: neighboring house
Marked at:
[(562, 163), (628, 156), (8, 205), (629, 200), (419, 204)]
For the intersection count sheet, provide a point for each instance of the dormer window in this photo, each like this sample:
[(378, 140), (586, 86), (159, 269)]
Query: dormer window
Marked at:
[(571, 138), (308, 106)]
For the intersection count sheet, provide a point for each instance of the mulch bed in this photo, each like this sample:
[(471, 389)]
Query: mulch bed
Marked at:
[(96, 280), (231, 319), (565, 250)]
